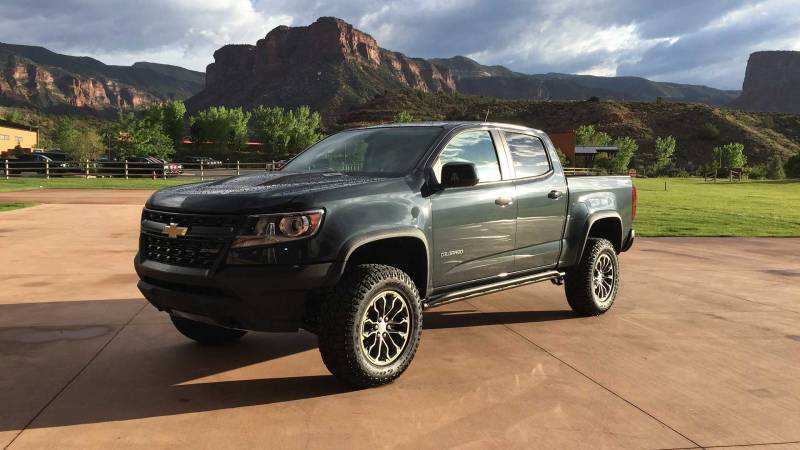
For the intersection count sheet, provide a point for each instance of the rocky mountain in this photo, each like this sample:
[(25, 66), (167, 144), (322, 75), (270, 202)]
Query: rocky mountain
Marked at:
[(771, 82), (328, 65), (332, 67), (473, 78), (36, 77)]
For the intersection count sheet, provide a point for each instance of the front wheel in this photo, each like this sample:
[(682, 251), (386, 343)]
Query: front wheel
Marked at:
[(592, 285), (370, 325)]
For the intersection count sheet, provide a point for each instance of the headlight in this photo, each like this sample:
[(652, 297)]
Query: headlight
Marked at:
[(271, 229)]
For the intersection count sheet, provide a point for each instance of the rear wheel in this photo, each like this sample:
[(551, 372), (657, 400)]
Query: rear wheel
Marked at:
[(370, 325), (592, 285), (205, 333)]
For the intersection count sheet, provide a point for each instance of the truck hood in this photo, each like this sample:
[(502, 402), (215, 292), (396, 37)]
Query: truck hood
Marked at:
[(269, 191)]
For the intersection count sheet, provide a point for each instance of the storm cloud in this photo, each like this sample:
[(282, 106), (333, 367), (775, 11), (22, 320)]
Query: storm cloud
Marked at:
[(688, 41)]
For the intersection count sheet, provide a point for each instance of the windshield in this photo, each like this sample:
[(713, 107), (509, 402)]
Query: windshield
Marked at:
[(391, 151)]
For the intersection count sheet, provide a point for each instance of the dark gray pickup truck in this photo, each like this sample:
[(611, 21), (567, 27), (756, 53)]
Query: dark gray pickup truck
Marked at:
[(360, 233)]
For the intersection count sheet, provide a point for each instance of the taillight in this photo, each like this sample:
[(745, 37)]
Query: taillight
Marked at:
[(633, 209)]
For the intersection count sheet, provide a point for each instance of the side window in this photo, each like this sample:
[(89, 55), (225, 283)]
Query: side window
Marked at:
[(476, 147), (528, 155)]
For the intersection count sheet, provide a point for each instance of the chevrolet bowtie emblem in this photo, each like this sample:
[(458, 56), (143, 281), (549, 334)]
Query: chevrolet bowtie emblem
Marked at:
[(173, 230)]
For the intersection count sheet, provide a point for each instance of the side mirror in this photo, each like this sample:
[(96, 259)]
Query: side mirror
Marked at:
[(459, 174)]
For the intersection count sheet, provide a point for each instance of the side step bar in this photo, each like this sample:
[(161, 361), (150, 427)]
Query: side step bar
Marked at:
[(463, 294)]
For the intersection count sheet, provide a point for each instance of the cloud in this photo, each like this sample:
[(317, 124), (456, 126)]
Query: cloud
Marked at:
[(184, 32), (690, 41)]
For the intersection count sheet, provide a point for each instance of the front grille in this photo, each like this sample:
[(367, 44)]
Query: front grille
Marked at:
[(184, 251), (190, 220)]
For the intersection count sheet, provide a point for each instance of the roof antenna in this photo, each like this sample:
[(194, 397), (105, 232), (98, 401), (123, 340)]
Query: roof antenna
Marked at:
[(486, 119)]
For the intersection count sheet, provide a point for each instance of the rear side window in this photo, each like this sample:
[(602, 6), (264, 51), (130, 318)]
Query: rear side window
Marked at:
[(528, 155), (476, 147)]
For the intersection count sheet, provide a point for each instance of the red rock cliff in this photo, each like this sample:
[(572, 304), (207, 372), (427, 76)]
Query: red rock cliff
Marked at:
[(772, 82)]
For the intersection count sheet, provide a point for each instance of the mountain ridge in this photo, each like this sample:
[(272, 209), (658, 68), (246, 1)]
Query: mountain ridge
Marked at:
[(34, 76)]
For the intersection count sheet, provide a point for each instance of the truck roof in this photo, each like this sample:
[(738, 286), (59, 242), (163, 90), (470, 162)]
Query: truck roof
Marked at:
[(451, 124)]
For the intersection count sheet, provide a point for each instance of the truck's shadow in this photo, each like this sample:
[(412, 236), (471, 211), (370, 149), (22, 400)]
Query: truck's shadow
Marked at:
[(147, 371)]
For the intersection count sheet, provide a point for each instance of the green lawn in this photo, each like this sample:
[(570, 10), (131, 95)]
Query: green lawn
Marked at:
[(18, 184), (14, 205), (690, 207)]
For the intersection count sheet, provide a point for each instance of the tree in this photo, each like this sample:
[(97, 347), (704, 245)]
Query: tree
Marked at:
[(587, 136), (709, 132), (66, 135), (305, 129), (775, 169), (793, 166), (664, 150), (272, 128), (729, 156), (13, 116), (403, 117), (169, 117), (626, 148), (565, 162), (286, 132), (225, 128), (131, 137)]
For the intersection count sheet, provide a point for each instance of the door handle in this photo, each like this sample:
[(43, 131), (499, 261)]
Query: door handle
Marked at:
[(503, 201), (554, 194)]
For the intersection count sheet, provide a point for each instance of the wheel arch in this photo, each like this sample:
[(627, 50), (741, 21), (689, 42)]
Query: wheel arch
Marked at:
[(406, 249), (606, 225)]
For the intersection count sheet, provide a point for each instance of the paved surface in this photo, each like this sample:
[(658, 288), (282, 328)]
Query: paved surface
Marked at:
[(701, 349)]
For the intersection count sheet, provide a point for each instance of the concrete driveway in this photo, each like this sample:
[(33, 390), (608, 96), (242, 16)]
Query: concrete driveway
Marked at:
[(702, 348)]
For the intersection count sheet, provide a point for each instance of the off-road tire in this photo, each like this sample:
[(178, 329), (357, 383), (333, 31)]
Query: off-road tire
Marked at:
[(340, 325), (579, 286), (205, 333)]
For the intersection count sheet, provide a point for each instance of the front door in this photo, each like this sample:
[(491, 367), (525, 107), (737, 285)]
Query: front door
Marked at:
[(473, 227)]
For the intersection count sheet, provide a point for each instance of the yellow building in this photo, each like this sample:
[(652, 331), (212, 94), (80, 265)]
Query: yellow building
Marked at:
[(13, 134)]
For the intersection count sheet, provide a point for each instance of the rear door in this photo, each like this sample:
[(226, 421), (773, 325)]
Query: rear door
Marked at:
[(541, 201), (473, 227)]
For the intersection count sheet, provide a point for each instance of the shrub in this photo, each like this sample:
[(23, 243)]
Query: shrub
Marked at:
[(775, 169), (709, 132), (793, 166), (403, 117), (758, 172)]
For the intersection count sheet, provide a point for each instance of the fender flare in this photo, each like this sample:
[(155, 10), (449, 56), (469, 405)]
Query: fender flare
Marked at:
[(587, 227), (354, 243)]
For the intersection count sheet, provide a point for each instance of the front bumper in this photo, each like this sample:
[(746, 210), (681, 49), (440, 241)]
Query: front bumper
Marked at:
[(261, 298)]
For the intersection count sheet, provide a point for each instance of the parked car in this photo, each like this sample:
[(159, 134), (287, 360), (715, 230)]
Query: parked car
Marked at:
[(58, 164), (139, 166), (194, 162), (355, 245)]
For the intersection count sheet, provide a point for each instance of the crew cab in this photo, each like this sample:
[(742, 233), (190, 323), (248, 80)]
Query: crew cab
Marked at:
[(359, 234)]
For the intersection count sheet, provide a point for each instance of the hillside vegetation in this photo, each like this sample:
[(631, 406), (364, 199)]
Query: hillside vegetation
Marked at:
[(763, 134)]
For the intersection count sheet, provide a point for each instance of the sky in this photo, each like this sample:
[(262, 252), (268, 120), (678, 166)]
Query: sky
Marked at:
[(685, 41)]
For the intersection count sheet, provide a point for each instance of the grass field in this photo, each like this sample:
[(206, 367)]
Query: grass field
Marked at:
[(689, 207), (14, 205), (18, 184)]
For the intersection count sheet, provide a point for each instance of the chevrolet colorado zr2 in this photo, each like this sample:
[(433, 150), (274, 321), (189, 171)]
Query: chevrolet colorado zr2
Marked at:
[(356, 236)]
